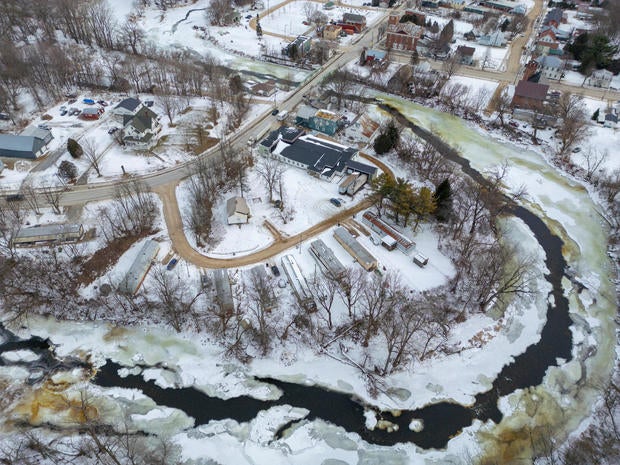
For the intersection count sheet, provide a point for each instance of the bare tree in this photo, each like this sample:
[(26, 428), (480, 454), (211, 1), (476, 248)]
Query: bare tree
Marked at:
[(574, 122), (260, 301), (270, 171), (339, 82), (132, 35), (594, 158), (324, 288), (52, 196), (451, 65), (218, 12), (173, 296), (170, 103), (93, 153)]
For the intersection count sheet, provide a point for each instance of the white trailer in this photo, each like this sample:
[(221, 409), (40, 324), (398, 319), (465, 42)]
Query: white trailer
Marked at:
[(358, 184)]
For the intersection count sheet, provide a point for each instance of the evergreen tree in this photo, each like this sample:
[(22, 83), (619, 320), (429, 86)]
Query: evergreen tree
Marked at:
[(443, 200), (382, 187), (74, 148), (382, 144), (446, 33), (415, 58), (259, 28), (393, 133), (595, 115), (424, 205)]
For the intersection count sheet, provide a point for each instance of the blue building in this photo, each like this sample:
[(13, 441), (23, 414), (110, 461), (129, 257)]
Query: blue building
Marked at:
[(323, 121)]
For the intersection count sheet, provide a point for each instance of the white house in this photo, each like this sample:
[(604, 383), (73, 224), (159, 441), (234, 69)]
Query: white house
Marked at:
[(551, 67), (495, 39), (128, 107), (601, 78), (237, 210), (140, 130)]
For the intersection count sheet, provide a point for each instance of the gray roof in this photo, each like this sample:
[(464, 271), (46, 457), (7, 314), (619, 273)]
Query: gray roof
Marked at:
[(49, 230), (129, 104), (306, 112), (33, 131), (20, 146), (141, 121), (356, 249), (611, 117), (237, 205), (325, 256), (550, 62), (140, 266), (223, 289), (361, 167), (554, 15), (353, 18)]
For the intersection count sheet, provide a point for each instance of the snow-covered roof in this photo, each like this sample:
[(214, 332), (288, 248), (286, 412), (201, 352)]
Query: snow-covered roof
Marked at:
[(305, 112), (549, 61), (19, 146), (49, 230), (42, 134), (237, 205)]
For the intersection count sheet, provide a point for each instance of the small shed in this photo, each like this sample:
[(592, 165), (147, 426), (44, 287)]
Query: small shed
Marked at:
[(237, 210), (420, 259), (389, 242), (91, 113)]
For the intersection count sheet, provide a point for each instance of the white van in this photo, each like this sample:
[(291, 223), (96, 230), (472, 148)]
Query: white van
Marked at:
[(282, 115)]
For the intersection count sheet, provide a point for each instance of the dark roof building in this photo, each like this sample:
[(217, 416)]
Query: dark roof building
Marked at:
[(322, 158), (530, 94), (129, 104), (29, 147), (554, 17), (44, 134)]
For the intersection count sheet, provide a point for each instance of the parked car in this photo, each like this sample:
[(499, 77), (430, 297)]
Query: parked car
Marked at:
[(4, 116), (44, 126), (112, 130), (577, 150), (172, 263), (275, 112), (336, 202), (248, 17), (275, 270), (15, 198), (88, 101), (102, 103), (71, 101), (148, 103), (74, 111), (63, 111)]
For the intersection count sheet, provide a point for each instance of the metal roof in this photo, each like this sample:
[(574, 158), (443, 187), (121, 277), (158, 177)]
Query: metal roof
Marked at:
[(305, 112), (42, 134), (362, 255), (129, 104), (49, 230), (361, 167), (325, 256), (140, 266), (354, 18), (222, 288), (20, 146)]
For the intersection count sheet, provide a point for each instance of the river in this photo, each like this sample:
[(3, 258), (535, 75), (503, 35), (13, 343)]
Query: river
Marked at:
[(566, 224)]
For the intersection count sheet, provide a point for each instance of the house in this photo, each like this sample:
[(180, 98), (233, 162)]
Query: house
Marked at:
[(264, 89), (319, 157), (50, 233), (298, 48), (553, 17), (430, 3), (601, 78), (465, 55), (29, 147), (332, 267), (331, 32), (530, 95), (455, 4), (91, 113), (127, 107), (324, 121), (403, 32), (329, 5), (519, 10), (139, 268), (223, 292), (374, 57), (44, 134), (478, 9), (560, 34), (499, 5), (140, 130), (355, 249), (495, 39), (237, 210), (546, 41), (611, 120), (551, 67), (355, 20), (298, 283)]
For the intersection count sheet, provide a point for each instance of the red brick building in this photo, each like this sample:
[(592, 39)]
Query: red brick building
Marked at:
[(530, 95), (402, 36)]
